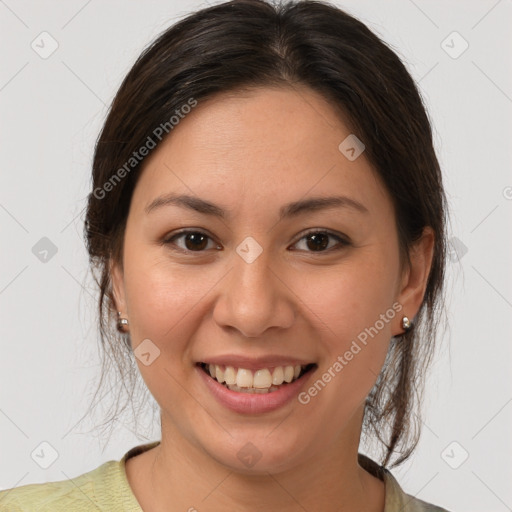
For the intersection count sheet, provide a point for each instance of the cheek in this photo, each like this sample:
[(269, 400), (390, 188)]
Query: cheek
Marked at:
[(163, 303), (354, 311), (354, 317), (160, 298), (351, 298)]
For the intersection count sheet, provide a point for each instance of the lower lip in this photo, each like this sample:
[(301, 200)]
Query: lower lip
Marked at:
[(253, 403)]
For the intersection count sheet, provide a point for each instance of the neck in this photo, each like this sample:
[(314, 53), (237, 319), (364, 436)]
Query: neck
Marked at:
[(182, 475)]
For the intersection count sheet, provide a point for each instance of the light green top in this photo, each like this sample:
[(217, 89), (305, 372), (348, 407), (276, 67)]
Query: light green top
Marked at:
[(106, 489)]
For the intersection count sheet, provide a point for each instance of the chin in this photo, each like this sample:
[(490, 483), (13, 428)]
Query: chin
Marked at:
[(258, 454)]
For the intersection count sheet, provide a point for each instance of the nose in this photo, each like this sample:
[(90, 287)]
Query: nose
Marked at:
[(254, 297)]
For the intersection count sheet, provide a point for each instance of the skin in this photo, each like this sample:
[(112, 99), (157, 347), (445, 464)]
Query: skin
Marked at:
[(251, 153)]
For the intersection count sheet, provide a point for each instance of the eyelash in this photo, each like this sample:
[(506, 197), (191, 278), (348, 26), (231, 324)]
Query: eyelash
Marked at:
[(342, 241)]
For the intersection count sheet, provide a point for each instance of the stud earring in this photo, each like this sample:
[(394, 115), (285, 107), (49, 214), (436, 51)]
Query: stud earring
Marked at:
[(121, 323), (406, 323)]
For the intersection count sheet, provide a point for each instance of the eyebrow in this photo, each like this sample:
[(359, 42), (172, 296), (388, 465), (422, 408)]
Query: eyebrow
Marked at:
[(287, 211)]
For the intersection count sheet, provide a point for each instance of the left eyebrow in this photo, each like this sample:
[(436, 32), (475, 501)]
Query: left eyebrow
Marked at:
[(289, 210), (320, 203)]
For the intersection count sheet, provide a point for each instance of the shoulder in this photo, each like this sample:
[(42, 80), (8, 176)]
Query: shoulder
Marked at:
[(94, 490), (417, 505), (397, 499)]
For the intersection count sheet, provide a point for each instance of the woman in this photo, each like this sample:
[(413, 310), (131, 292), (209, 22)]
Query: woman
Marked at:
[(268, 221)]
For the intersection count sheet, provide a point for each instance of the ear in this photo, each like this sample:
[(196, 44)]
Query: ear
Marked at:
[(117, 279), (414, 280)]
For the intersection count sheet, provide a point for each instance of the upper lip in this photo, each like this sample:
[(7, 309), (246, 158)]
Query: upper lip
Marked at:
[(254, 363)]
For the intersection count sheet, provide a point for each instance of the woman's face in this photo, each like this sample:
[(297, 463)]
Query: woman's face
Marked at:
[(251, 289)]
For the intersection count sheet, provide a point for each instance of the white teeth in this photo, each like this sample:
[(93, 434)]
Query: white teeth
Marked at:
[(262, 379), (219, 374), (278, 376), (230, 375), (258, 381), (253, 390), (244, 378), (288, 373)]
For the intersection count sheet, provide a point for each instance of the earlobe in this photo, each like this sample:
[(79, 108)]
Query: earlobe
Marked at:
[(415, 279), (118, 296)]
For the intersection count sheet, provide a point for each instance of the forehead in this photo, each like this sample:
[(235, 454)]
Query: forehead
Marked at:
[(281, 120), (262, 144)]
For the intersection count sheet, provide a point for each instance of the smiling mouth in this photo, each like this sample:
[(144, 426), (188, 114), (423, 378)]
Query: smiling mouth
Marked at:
[(264, 380)]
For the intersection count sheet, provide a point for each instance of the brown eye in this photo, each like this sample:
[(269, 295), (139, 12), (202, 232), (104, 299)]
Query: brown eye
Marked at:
[(315, 241), (318, 241), (193, 241)]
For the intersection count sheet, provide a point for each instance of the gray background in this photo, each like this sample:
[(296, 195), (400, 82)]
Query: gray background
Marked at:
[(51, 112)]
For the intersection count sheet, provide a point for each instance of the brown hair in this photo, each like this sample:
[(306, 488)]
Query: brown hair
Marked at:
[(251, 43)]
